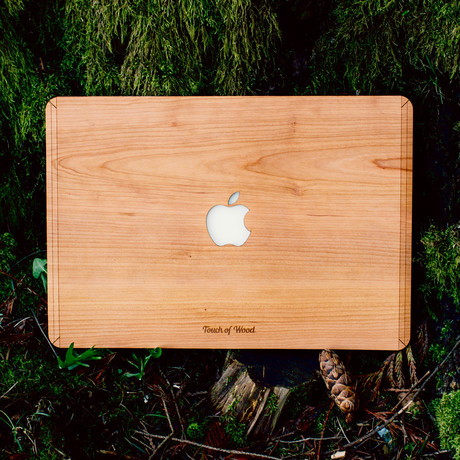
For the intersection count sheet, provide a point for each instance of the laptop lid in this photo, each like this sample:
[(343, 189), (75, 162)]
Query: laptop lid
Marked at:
[(229, 222)]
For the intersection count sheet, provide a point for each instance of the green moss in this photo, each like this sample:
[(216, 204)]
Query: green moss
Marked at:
[(441, 260), (377, 45), (235, 430), (197, 431), (448, 422), (272, 403), (439, 350), (30, 373), (249, 33), (30, 75), (167, 48), (36, 392)]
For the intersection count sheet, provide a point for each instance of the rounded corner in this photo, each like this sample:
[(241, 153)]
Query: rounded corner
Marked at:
[(52, 103), (405, 101), (55, 340), (402, 343)]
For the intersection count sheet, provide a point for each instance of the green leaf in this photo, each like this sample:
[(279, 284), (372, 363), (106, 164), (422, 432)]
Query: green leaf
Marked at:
[(73, 359), (156, 352), (90, 355), (39, 270), (60, 363), (44, 281), (136, 374), (69, 354), (39, 267), (140, 363)]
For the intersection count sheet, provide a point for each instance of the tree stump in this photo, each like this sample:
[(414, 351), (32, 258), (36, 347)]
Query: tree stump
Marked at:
[(255, 386)]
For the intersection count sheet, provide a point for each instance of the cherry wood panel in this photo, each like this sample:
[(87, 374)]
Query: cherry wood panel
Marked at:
[(327, 180)]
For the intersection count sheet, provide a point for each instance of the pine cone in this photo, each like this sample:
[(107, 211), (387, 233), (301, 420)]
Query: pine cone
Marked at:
[(338, 382)]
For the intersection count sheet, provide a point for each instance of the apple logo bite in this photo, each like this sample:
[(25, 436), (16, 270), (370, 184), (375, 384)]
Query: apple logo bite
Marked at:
[(225, 224)]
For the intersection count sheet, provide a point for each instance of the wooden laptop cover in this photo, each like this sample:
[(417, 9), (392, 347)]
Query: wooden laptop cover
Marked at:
[(328, 184)]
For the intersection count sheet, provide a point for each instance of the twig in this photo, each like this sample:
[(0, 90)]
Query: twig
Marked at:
[(32, 441), (19, 322), (427, 374), (59, 451), (205, 446), (274, 446), (27, 287), (9, 389), (181, 422), (324, 429), (427, 377), (151, 444), (44, 335), (302, 456), (342, 430), (147, 446), (167, 414), (171, 434), (380, 426), (297, 441), (409, 391), (403, 428), (162, 443), (114, 454), (405, 390)]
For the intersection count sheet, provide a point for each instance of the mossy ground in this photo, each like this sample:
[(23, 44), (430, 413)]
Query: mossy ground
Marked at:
[(132, 47), (448, 421)]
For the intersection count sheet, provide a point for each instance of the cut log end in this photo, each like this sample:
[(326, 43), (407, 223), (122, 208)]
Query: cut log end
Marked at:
[(244, 392), (253, 404)]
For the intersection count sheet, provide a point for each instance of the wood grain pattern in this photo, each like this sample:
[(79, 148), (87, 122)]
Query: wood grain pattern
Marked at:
[(328, 181)]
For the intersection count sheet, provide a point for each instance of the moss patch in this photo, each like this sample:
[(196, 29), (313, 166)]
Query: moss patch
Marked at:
[(441, 259), (448, 422)]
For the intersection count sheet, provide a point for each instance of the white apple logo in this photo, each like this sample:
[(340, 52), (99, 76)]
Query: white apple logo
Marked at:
[(225, 224)]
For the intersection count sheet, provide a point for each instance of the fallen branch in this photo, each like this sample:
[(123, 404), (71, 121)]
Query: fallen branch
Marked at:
[(205, 446), (324, 429), (298, 441), (427, 378)]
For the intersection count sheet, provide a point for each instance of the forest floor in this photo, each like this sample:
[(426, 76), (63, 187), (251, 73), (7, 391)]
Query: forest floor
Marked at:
[(137, 404)]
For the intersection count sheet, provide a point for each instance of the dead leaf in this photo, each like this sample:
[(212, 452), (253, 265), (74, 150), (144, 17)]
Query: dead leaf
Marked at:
[(8, 305)]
